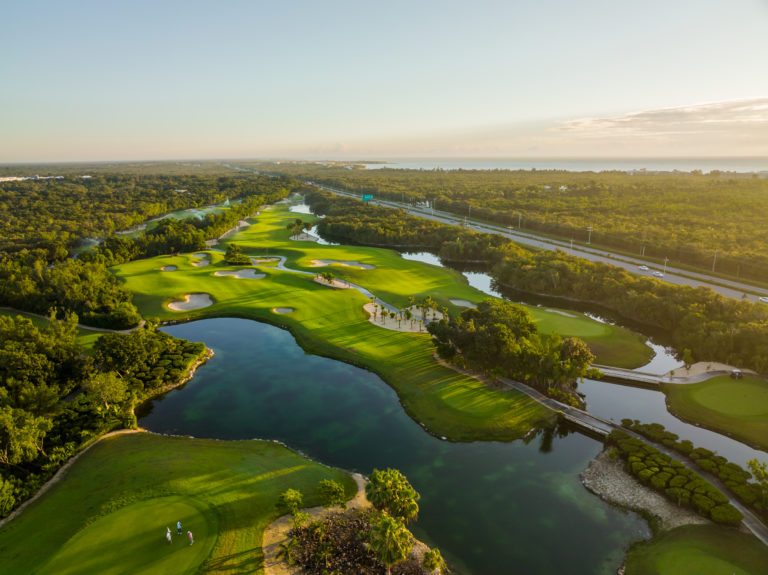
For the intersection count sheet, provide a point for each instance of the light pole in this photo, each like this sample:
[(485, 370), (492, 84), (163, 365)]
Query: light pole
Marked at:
[(714, 261), (519, 218), (589, 237), (666, 259)]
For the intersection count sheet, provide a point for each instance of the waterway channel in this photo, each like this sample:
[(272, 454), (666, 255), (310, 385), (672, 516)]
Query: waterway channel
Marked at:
[(490, 507)]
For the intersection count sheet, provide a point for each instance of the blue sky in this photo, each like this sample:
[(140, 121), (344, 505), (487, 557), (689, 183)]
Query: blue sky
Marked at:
[(150, 80)]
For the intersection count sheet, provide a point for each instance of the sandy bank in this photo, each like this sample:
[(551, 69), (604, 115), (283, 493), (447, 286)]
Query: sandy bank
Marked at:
[(282, 310), (191, 301), (304, 237), (383, 319), (606, 478), (703, 367)]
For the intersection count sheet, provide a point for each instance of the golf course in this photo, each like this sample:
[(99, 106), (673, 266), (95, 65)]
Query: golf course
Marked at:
[(331, 322), (111, 512)]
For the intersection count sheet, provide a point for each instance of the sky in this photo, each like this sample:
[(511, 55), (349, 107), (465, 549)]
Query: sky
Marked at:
[(144, 80)]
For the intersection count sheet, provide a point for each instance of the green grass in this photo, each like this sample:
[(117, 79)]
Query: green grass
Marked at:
[(737, 407), (698, 550), (332, 322), (110, 514), (85, 337)]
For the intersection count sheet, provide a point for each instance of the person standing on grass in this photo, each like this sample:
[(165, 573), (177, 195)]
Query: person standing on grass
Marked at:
[(178, 527), (168, 534), (191, 540)]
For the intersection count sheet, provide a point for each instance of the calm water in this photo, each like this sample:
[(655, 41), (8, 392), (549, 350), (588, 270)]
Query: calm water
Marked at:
[(613, 401), (487, 506)]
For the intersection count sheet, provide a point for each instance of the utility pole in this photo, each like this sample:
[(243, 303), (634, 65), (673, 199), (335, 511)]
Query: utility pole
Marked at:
[(714, 261), (666, 259), (589, 237), (643, 252), (571, 245), (519, 217)]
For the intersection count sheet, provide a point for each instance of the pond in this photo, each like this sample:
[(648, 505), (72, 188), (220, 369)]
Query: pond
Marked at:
[(486, 505)]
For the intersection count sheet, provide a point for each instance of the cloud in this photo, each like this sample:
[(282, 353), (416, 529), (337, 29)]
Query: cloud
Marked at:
[(732, 116)]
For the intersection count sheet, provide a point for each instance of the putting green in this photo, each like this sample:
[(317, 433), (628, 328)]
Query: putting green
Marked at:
[(135, 540), (698, 550), (738, 407)]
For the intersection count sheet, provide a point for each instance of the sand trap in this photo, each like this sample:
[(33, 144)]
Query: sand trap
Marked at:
[(303, 237), (191, 301), (203, 261), (463, 303), (256, 261), (203, 255), (318, 263), (561, 312), (338, 284), (243, 274), (412, 325), (169, 269), (282, 309)]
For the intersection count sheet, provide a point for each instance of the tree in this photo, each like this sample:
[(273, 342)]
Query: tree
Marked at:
[(235, 256), (687, 358), (434, 562), (390, 540), (760, 473), (332, 493), (390, 491), (291, 500), (21, 435), (105, 387)]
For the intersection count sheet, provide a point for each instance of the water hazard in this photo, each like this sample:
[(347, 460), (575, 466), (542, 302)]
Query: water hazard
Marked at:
[(486, 505)]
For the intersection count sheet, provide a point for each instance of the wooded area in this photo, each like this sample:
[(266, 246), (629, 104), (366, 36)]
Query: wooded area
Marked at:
[(685, 217)]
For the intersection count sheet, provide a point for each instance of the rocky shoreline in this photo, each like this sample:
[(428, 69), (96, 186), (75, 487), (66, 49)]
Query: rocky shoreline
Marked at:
[(607, 478)]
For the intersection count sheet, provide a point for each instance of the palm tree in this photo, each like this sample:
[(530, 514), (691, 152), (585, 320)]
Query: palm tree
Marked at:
[(390, 540)]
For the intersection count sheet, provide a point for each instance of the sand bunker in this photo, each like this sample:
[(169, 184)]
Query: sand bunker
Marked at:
[(318, 263), (256, 261), (169, 268), (282, 309), (339, 284), (243, 274), (203, 261), (413, 325), (462, 303), (191, 301), (303, 237)]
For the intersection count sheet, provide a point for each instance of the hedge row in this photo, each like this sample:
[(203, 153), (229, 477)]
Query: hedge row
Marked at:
[(735, 477), (673, 479)]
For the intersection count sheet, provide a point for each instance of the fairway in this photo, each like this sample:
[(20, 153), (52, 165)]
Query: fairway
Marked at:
[(110, 513), (698, 550), (738, 407)]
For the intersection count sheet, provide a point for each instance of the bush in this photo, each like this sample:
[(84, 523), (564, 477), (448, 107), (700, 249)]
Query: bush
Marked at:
[(726, 514), (682, 496), (702, 504), (678, 481), (659, 481)]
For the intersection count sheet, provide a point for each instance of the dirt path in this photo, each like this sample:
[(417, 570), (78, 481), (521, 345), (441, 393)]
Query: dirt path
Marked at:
[(277, 531)]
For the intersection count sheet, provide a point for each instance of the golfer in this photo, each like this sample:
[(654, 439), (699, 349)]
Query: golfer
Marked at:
[(178, 527), (191, 540), (168, 534)]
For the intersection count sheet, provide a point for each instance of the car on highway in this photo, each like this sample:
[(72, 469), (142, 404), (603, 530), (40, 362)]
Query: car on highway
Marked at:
[(643, 268), (763, 299), (658, 274)]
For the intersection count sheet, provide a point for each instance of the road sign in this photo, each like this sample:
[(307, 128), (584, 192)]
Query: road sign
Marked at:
[(367, 197)]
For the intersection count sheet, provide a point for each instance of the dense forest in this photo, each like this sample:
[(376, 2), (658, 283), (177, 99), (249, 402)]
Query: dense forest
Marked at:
[(712, 327), (685, 217), (54, 399), (44, 220)]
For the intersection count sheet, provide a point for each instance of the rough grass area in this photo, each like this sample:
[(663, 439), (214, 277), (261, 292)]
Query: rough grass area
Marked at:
[(110, 513), (738, 407), (698, 550)]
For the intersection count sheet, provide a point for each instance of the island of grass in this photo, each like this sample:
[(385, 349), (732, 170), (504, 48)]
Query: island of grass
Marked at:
[(332, 323), (698, 550), (737, 407), (123, 493)]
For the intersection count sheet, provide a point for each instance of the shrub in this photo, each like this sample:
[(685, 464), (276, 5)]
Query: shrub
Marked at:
[(681, 495), (659, 481), (678, 481), (645, 475), (726, 514), (702, 503)]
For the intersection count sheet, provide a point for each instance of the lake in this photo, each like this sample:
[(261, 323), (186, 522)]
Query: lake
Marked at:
[(490, 507)]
